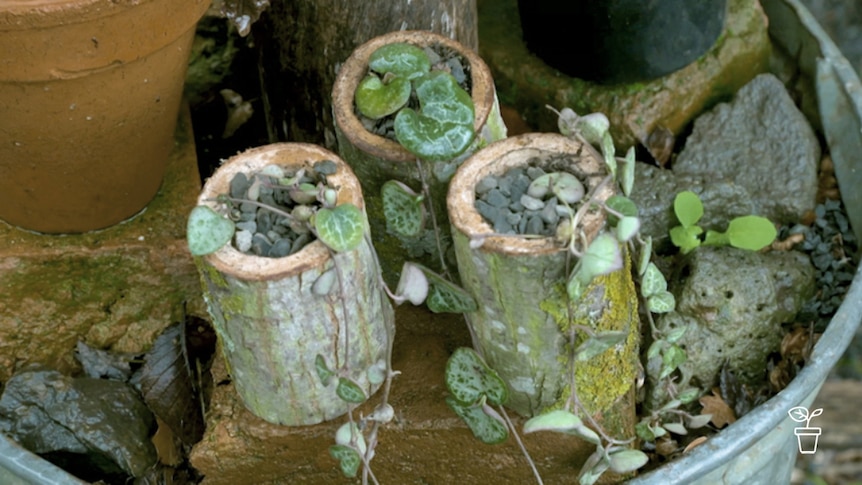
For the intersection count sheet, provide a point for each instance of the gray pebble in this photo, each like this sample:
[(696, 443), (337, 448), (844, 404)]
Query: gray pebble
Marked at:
[(275, 235), (531, 203), (260, 244), (535, 225), (248, 207), (242, 241), (502, 226), (300, 242), (433, 56), (504, 185), (246, 216), (486, 184), (496, 198), (486, 210), (264, 221), (549, 212), (457, 70), (519, 186), (516, 206), (522, 226), (513, 218), (249, 226), (535, 172), (239, 185), (280, 248)]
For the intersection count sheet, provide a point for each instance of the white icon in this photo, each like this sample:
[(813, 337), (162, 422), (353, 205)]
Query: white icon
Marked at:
[(806, 437)]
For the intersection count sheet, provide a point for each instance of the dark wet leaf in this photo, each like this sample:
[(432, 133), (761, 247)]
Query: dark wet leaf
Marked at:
[(169, 379)]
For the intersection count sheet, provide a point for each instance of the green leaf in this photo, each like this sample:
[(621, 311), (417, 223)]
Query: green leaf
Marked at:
[(653, 281), (675, 428), (672, 357), (698, 421), (469, 378), (443, 129), (575, 287), (715, 238), (593, 468), (341, 228), (663, 302), (674, 335), (557, 420), (751, 232), (598, 344), (603, 256), (655, 348), (627, 177), (323, 371), (645, 255), (376, 99), (688, 208), (488, 429), (349, 434), (403, 209), (689, 395), (642, 429), (348, 459), (593, 127), (350, 391), (446, 297), (609, 153), (207, 231), (685, 238), (627, 228), (566, 187), (400, 58), (627, 461), (623, 205)]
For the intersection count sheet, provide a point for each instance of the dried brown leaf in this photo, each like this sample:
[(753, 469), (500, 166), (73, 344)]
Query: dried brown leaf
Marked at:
[(722, 414), (660, 144), (694, 444)]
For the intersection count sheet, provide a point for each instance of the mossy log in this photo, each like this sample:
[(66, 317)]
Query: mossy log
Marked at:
[(523, 323), (376, 159), (272, 326)]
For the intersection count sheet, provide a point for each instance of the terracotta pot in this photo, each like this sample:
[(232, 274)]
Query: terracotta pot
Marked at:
[(376, 159), (271, 326), (519, 283), (89, 95)]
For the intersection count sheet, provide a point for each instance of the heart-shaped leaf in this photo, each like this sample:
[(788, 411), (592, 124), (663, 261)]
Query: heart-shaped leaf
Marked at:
[(623, 205), (350, 391), (469, 378), (323, 371), (627, 176), (603, 256), (626, 461), (403, 209), (341, 228), (488, 429), (598, 344), (653, 281), (376, 99), (661, 302), (593, 127), (686, 238), (446, 297), (627, 228), (751, 232), (400, 58), (207, 231), (348, 459), (444, 127)]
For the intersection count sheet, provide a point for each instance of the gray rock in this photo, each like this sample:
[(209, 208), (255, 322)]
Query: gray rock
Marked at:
[(496, 198), (549, 212), (486, 184), (250, 226), (239, 185), (734, 302), (531, 203), (535, 225), (280, 248), (260, 244), (759, 141), (102, 420), (242, 241), (486, 210)]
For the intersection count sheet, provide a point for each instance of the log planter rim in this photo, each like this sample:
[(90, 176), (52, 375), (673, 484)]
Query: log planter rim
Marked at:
[(496, 159), (250, 267), (355, 68)]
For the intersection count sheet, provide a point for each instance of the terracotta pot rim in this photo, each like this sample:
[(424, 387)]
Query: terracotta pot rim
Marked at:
[(229, 260), (356, 67), (498, 157)]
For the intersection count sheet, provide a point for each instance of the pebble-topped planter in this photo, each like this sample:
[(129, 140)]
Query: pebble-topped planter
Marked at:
[(519, 282), (377, 158), (269, 313)]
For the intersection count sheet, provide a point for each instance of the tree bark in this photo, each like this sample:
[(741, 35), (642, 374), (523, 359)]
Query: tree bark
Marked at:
[(302, 43)]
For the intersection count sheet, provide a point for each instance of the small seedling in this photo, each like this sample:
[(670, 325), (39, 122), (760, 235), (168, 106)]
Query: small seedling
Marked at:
[(748, 232)]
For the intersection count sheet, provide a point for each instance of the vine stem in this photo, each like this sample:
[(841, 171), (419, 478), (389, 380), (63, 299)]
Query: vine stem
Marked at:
[(427, 191), (521, 445)]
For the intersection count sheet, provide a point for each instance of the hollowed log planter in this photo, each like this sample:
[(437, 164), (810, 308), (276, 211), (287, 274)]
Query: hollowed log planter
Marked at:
[(522, 325), (90, 91), (377, 159), (270, 324)]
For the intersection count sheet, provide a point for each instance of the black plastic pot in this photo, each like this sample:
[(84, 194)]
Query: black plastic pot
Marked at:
[(620, 41)]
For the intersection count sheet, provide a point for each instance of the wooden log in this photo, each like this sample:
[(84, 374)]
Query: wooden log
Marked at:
[(271, 326), (376, 159), (523, 326), (302, 43)]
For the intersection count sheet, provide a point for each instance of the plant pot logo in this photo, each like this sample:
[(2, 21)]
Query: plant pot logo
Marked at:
[(806, 437)]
